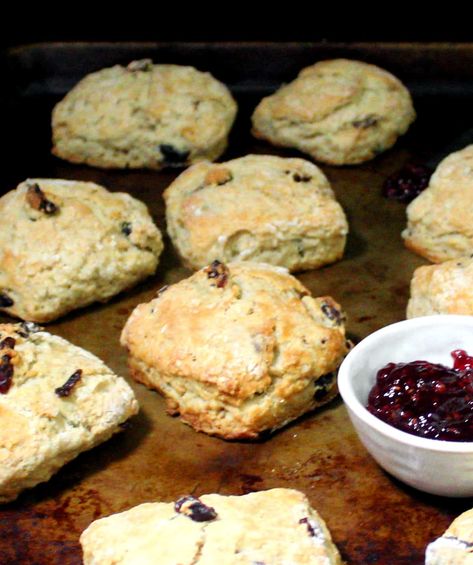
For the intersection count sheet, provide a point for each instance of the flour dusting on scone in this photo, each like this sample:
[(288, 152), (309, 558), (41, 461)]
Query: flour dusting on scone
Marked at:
[(440, 219), (237, 349), (273, 527), (455, 546), (442, 289), (338, 111), (259, 208), (143, 115), (56, 400), (65, 244)]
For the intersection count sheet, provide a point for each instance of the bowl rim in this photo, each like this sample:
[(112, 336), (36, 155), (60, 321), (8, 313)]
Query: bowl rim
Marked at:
[(354, 405)]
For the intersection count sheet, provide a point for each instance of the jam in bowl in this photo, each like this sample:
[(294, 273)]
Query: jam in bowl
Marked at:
[(436, 407)]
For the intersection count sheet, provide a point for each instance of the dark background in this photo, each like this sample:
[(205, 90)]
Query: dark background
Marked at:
[(233, 21)]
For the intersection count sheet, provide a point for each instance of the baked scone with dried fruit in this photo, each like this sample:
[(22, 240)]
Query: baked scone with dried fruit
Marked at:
[(143, 115), (440, 219), (65, 244), (455, 546), (340, 112), (237, 349), (56, 400), (442, 289), (258, 208), (276, 527)]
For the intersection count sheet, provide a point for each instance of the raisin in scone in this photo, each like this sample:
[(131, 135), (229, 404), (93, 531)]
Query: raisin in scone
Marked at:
[(455, 546), (274, 527), (56, 400), (442, 289), (65, 244), (339, 111), (258, 208), (440, 219), (237, 349), (143, 115)]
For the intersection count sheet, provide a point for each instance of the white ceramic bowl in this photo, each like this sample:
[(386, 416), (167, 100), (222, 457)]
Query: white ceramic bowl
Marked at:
[(434, 466)]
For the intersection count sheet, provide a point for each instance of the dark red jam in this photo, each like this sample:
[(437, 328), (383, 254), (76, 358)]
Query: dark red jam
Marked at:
[(408, 183), (426, 399)]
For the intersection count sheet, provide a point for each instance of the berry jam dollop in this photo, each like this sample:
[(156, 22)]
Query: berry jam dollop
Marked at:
[(408, 183), (426, 399)]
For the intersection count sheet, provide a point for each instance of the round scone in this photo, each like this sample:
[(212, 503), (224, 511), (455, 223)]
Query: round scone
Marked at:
[(65, 244), (340, 112), (277, 527), (237, 349), (455, 546), (56, 400), (143, 115), (440, 219), (257, 208), (442, 289)]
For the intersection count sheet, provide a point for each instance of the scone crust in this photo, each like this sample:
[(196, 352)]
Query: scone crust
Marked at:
[(240, 353), (41, 431), (455, 546), (442, 289), (338, 111), (440, 219), (257, 208), (149, 116), (277, 526), (94, 246)]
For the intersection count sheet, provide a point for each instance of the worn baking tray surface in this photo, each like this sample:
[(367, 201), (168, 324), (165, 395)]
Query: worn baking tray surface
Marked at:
[(372, 517)]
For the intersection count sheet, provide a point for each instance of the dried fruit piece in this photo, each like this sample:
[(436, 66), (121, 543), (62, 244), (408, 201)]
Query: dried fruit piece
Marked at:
[(145, 65), (126, 228), (5, 300), (219, 272), (6, 366), (172, 155), (27, 328), (312, 527), (332, 313), (8, 343), (323, 384), (218, 175), (298, 177), (66, 388), (38, 201), (408, 183), (195, 509)]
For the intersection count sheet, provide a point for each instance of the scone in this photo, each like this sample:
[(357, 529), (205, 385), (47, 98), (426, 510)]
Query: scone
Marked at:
[(65, 244), (274, 527), (237, 349), (442, 289), (340, 112), (257, 208), (440, 219), (56, 400), (455, 547), (143, 115)]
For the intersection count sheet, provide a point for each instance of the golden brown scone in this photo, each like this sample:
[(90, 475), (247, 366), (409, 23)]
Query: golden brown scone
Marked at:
[(56, 400), (143, 115), (442, 289), (440, 219), (273, 527), (237, 349), (256, 208), (455, 547), (340, 112), (65, 244)]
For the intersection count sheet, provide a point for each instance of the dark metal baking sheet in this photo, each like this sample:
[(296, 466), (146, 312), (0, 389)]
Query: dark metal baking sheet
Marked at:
[(373, 518)]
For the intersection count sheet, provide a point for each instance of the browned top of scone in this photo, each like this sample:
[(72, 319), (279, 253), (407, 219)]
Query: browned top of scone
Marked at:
[(240, 327)]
